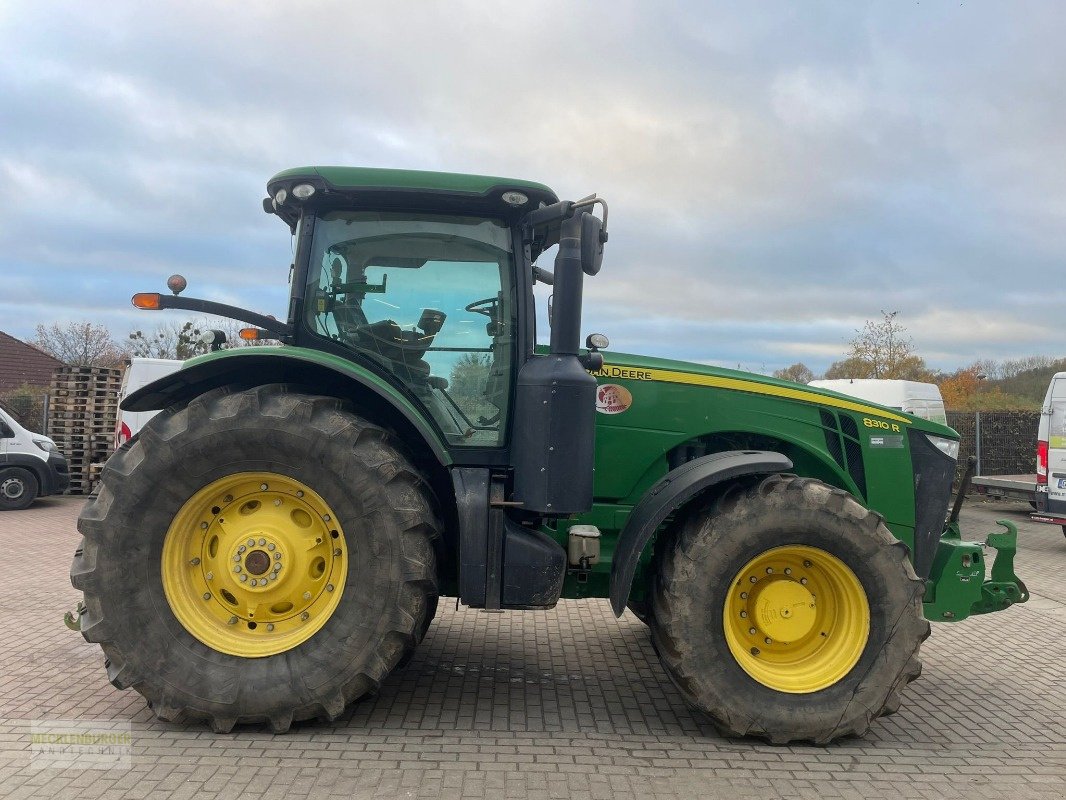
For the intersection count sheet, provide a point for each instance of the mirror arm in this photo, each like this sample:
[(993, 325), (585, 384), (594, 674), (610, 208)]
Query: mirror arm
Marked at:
[(543, 275)]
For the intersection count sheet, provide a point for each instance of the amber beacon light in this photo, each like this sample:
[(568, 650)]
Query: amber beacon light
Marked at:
[(147, 300)]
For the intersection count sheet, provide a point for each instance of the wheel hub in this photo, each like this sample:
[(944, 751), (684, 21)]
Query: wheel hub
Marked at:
[(12, 488), (257, 562), (796, 619), (254, 564), (784, 610)]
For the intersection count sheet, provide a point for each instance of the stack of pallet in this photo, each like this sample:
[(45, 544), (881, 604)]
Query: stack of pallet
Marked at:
[(81, 419)]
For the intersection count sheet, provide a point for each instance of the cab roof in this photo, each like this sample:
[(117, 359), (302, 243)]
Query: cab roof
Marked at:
[(382, 189), (349, 178)]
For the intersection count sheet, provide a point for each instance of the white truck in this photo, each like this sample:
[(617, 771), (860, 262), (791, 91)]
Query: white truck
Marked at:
[(139, 372), (1051, 455), (913, 397), (31, 466)]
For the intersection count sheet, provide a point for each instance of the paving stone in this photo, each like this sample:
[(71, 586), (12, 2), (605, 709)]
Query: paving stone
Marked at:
[(568, 703)]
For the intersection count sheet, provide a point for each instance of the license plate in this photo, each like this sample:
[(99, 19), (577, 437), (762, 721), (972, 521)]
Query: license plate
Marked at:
[(1062, 483)]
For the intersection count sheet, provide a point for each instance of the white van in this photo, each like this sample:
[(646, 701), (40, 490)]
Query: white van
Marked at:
[(912, 397), (139, 372), (1051, 455), (31, 466)]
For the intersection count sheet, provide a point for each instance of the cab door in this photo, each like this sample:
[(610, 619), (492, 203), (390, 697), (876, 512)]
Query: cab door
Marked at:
[(1056, 457)]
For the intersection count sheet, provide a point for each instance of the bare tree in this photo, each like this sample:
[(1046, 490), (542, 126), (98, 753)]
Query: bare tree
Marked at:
[(82, 344), (799, 373), (881, 350), (182, 341)]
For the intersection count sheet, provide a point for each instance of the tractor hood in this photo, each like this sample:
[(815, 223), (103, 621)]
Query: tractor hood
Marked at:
[(626, 366)]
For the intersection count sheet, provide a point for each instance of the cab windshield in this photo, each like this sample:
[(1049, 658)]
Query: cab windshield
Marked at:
[(429, 298)]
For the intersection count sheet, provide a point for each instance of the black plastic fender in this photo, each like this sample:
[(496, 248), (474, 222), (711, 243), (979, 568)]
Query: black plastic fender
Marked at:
[(676, 488)]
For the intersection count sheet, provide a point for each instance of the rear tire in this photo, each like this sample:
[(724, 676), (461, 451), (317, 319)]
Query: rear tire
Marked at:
[(850, 658), (18, 488), (192, 667)]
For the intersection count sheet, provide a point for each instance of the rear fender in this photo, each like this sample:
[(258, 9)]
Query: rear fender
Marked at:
[(675, 489), (322, 372)]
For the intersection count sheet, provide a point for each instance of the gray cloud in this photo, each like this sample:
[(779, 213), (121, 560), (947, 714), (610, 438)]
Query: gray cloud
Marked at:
[(777, 173)]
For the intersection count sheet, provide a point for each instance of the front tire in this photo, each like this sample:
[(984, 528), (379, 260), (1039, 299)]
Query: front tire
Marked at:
[(18, 488), (789, 612), (208, 501)]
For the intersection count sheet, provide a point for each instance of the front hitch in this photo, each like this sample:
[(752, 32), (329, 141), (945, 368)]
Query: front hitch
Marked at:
[(957, 587)]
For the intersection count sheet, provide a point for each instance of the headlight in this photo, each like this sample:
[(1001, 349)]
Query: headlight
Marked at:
[(47, 445), (949, 447)]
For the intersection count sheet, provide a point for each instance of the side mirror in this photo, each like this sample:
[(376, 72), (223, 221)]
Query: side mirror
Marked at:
[(593, 237)]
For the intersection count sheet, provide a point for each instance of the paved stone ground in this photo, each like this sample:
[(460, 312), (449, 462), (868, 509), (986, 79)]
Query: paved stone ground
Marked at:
[(567, 703)]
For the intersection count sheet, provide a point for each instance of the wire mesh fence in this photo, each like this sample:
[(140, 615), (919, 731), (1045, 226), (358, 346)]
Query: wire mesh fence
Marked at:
[(1004, 442)]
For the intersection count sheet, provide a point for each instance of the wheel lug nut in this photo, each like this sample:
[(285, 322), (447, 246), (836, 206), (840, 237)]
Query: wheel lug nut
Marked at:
[(263, 487), (277, 567), (768, 640), (337, 551), (304, 616), (803, 581), (232, 620), (270, 546), (277, 502), (329, 587), (300, 493), (244, 578), (753, 579), (237, 568), (237, 557), (270, 627), (743, 614), (307, 595), (325, 517), (195, 562), (251, 542), (241, 549), (203, 526), (207, 595), (277, 556), (743, 595), (751, 631), (262, 542), (769, 570), (788, 570), (255, 582), (807, 563), (210, 576)]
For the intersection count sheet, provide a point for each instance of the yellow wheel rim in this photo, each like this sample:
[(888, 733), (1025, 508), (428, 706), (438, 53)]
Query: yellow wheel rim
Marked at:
[(796, 619), (254, 564)]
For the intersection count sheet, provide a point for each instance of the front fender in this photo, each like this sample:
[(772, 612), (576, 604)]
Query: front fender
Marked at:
[(675, 489), (256, 366)]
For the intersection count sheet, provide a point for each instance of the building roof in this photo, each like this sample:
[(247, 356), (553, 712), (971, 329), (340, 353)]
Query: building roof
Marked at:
[(22, 363)]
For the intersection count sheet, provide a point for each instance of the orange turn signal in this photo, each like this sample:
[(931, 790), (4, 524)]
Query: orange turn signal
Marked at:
[(249, 334), (147, 300)]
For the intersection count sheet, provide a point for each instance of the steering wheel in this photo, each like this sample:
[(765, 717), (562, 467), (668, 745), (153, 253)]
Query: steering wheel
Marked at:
[(487, 307)]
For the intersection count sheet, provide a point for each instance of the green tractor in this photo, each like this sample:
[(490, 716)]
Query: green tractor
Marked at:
[(273, 544)]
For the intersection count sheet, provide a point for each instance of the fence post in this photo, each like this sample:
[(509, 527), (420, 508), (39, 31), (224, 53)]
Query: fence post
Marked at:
[(977, 441)]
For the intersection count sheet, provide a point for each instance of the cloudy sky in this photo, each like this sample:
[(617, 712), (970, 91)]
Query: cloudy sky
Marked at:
[(777, 172)]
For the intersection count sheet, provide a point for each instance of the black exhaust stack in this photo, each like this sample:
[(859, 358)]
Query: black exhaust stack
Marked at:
[(555, 409)]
